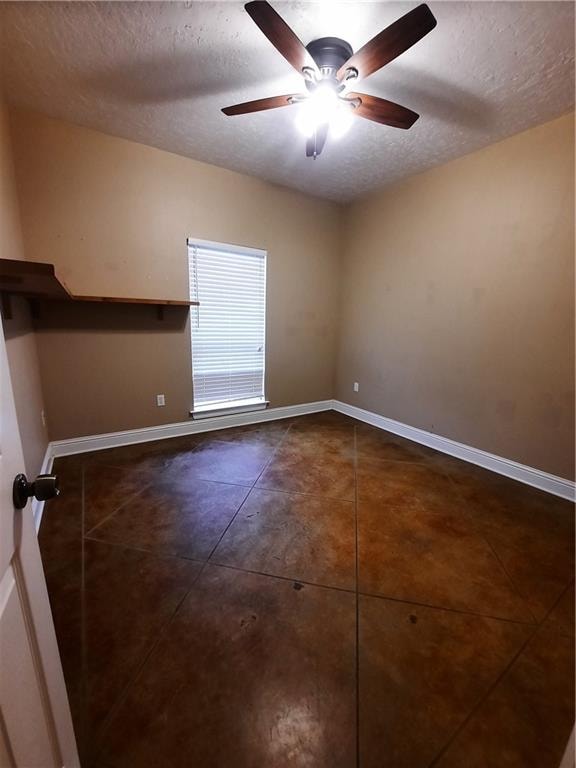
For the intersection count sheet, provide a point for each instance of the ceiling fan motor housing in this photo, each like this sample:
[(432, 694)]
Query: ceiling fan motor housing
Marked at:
[(329, 53)]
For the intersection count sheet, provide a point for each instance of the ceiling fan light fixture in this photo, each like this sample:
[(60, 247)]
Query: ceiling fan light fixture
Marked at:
[(328, 66)]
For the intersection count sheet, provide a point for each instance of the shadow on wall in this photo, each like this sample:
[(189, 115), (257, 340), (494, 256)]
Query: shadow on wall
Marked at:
[(22, 351), (20, 322), (83, 316)]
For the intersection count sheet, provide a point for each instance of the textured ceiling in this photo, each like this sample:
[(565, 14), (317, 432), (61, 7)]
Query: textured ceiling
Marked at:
[(158, 73)]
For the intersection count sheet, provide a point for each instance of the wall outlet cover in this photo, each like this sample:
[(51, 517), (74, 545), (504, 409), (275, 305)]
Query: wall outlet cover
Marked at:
[(160, 400)]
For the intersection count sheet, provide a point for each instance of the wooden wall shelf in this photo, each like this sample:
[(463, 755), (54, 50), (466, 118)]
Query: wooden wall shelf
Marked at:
[(37, 280)]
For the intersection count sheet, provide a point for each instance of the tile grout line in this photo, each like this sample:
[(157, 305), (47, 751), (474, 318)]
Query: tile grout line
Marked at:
[(515, 587), (269, 574), (483, 697), (123, 694), (308, 495), (222, 482), (137, 494), (118, 508), (460, 611), (484, 537), (153, 554), (204, 480), (264, 468), (163, 629), (219, 482), (451, 739), (357, 571)]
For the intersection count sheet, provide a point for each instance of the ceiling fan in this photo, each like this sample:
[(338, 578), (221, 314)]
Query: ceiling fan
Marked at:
[(330, 68)]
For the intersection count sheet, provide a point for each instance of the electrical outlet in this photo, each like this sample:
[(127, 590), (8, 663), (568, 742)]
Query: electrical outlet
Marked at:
[(160, 400), (356, 386), (43, 417)]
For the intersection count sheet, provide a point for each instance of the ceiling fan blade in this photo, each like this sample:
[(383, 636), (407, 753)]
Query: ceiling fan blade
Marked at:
[(315, 143), (260, 105), (280, 35), (391, 42), (383, 111)]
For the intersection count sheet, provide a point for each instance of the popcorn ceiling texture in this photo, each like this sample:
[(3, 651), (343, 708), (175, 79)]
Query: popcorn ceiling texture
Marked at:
[(159, 73)]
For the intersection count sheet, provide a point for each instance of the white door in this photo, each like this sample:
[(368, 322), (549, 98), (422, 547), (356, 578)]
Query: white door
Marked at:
[(35, 723)]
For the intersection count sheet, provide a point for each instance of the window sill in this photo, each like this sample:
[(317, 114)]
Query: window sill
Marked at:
[(241, 406)]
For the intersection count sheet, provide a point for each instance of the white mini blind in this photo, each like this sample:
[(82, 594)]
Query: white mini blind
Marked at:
[(228, 328)]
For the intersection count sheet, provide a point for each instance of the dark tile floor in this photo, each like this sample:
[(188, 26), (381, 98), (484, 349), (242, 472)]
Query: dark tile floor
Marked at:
[(312, 592)]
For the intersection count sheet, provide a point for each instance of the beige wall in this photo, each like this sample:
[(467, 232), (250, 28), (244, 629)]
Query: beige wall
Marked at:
[(458, 300), (113, 216), (20, 339), (451, 293)]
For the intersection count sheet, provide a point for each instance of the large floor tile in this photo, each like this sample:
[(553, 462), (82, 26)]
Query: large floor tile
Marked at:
[(421, 671), (526, 721), (299, 537), (532, 533), (562, 616), (106, 489), (64, 582), (434, 558), (235, 462), (405, 485), (128, 597), (329, 476), (182, 517), (252, 672)]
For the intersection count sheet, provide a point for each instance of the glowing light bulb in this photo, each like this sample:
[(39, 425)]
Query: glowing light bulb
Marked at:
[(305, 121), (341, 121), (317, 110), (325, 101)]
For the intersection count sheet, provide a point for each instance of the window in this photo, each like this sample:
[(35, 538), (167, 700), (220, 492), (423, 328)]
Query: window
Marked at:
[(228, 328)]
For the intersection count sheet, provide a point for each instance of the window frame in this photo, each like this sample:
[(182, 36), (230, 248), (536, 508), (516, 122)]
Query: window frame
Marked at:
[(245, 406)]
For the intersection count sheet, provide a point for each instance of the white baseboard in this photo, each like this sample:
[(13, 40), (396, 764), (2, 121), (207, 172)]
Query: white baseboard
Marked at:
[(38, 506), (146, 434), (528, 475), (77, 445)]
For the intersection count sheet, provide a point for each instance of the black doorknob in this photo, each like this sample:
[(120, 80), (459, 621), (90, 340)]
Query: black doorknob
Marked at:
[(43, 488)]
